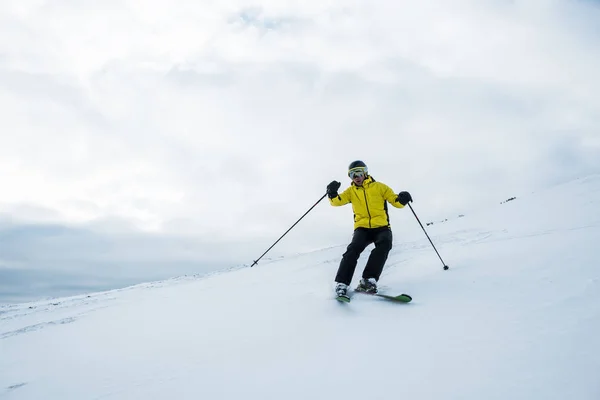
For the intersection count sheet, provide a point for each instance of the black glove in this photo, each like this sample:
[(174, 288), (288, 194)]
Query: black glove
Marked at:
[(403, 198), (332, 189)]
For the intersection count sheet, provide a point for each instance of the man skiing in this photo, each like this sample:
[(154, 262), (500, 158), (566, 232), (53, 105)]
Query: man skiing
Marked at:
[(369, 200)]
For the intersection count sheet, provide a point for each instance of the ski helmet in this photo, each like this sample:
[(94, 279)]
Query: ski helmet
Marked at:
[(357, 166)]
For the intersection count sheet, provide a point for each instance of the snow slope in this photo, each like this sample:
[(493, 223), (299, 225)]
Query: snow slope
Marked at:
[(517, 316)]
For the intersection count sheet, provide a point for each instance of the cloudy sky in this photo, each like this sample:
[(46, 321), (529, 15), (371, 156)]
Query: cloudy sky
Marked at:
[(145, 139)]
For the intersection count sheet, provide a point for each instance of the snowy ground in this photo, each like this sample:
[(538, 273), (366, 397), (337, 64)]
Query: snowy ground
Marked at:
[(517, 316)]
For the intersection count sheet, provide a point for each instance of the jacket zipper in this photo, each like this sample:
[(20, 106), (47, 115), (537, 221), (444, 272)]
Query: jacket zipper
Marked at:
[(367, 205)]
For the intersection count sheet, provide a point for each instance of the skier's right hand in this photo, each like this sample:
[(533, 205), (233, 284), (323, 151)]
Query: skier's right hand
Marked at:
[(332, 189)]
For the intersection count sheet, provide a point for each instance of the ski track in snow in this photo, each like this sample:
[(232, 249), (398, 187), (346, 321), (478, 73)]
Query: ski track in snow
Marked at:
[(12, 388), (38, 326), (18, 319)]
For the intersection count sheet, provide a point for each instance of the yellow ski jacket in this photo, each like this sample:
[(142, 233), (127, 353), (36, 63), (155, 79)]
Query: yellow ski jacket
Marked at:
[(369, 203)]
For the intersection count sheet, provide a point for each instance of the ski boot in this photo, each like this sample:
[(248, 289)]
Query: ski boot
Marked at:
[(341, 291), (367, 285)]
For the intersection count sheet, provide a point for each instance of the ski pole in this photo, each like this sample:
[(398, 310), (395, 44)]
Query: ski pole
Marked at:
[(413, 211), (257, 260)]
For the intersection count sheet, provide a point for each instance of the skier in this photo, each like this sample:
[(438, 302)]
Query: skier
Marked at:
[(369, 200)]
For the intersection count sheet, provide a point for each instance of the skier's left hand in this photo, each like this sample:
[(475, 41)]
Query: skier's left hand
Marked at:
[(403, 198)]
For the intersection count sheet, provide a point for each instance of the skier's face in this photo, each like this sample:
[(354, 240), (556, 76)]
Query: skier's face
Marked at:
[(358, 180), (358, 175)]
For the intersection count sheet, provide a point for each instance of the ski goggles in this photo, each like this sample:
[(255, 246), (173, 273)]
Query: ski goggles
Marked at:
[(357, 172)]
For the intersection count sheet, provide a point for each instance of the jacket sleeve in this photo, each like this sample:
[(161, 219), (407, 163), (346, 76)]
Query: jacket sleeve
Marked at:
[(390, 196), (342, 198)]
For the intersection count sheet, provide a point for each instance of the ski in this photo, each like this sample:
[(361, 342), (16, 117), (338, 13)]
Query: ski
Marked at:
[(402, 298), (343, 299)]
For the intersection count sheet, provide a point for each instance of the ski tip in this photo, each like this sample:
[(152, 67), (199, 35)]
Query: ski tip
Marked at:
[(343, 299), (404, 298)]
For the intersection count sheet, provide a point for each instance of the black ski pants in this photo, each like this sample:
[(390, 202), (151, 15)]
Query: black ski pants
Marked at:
[(362, 237)]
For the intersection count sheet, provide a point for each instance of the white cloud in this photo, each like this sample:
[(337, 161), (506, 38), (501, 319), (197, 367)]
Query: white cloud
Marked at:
[(226, 120)]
